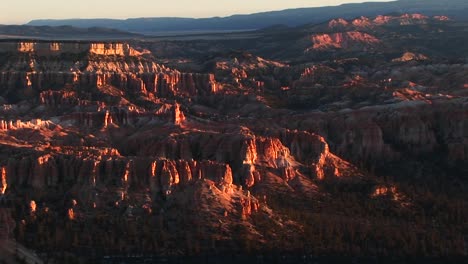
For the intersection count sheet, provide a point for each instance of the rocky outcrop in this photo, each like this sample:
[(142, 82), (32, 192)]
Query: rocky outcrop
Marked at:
[(285, 152), (110, 49), (3, 181), (58, 48), (382, 20), (159, 176), (179, 116), (378, 135), (409, 56), (93, 65), (169, 85), (442, 18), (344, 40), (60, 98), (19, 124), (338, 23), (106, 117)]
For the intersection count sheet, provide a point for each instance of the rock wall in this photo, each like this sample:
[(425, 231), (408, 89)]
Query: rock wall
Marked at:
[(157, 175), (344, 40), (285, 152), (161, 84), (58, 48)]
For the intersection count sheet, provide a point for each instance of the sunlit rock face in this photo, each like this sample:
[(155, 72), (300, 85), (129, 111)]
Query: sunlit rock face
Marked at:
[(110, 49), (346, 40), (383, 20), (409, 56), (338, 23), (57, 48), (118, 130), (33, 206), (97, 65), (3, 181)]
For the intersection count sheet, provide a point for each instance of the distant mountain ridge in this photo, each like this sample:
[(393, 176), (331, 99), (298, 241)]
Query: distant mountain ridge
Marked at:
[(291, 17), (61, 32)]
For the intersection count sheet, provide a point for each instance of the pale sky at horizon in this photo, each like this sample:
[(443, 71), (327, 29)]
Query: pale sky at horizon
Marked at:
[(16, 13)]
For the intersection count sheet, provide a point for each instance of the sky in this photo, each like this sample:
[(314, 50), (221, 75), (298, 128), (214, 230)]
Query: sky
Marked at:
[(22, 11)]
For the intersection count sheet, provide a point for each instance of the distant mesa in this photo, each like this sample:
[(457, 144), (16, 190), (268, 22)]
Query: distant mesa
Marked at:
[(60, 33)]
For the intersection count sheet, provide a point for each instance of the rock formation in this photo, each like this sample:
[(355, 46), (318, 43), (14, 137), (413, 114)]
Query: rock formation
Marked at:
[(310, 141), (346, 40), (3, 181)]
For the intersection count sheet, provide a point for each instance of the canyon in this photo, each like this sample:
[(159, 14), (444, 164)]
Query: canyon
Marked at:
[(343, 137)]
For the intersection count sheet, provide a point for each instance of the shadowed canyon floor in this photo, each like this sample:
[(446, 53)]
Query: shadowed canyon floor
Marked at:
[(344, 138)]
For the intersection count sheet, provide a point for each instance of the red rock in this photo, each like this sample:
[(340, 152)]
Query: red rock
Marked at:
[(346, 40), (3, 181)]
